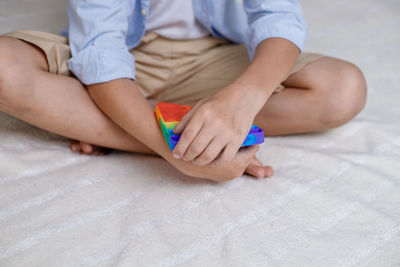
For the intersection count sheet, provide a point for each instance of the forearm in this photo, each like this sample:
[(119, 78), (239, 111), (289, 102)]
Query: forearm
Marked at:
[(123, 103), (234, 107), (272, 62)]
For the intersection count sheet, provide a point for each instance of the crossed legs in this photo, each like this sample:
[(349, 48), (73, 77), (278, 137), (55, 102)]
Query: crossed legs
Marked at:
[(324, 94), (52, 102)]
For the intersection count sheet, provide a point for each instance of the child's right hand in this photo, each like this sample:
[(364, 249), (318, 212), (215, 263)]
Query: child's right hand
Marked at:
[(244, 161)]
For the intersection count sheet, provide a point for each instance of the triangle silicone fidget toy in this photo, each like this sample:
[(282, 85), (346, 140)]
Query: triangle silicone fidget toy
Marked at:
[(169, 115)]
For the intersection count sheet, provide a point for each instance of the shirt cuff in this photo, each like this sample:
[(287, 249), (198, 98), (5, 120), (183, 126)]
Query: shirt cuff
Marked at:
[(98, 65), (262, 29)]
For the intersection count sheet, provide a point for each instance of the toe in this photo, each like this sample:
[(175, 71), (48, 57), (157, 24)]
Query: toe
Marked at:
[(86, 148), (260, 173), (255, 170), (75, 147), (256, 162), (269, 171)]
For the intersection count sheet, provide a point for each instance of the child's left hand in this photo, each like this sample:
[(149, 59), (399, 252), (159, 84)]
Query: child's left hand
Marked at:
[(216, 124)]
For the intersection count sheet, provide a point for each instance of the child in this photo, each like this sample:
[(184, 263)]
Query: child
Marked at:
[(237, 65)]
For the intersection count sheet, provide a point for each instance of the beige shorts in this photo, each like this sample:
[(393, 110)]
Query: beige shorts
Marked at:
[(178, 71)]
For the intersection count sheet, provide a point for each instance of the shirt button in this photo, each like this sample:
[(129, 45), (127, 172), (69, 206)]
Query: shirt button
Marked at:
[(143, 12)]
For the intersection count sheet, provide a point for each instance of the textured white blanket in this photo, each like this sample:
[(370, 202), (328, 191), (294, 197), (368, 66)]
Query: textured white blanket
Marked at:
[(334, 200)]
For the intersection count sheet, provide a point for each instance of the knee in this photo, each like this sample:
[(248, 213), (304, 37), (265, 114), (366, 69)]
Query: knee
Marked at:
[(8, 62), (345, 97), (14, 79), (3, 63)]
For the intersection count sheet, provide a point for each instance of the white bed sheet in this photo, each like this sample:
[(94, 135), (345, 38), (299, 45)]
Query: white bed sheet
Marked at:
[(333, 201)]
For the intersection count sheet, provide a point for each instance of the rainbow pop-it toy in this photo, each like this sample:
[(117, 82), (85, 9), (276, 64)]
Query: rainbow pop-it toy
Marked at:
[(169, 115)]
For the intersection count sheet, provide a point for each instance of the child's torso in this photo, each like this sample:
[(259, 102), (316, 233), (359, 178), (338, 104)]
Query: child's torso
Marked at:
[(174, 19)]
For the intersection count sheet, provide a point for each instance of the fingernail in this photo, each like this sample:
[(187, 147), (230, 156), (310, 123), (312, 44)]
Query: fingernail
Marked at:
[(176, 155)]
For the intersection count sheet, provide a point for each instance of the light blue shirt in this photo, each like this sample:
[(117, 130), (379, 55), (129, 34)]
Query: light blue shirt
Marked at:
[(101, 32)]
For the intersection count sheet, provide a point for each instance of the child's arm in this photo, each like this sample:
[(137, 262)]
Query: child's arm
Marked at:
[(125, 105), (101, 60), (223, 120), (275, 32)]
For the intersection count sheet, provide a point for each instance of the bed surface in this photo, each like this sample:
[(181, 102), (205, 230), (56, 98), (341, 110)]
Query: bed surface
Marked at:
[(333, 201)]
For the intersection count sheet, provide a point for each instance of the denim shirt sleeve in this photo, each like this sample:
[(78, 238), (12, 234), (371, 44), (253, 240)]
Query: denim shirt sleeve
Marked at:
[(97, 34), (274, 18)]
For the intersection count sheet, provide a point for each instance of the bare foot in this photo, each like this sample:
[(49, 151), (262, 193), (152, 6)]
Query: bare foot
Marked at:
[(257, 169), (88, 149)]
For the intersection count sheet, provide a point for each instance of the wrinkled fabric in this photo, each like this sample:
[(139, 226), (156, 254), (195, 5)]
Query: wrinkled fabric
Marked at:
[(102, 32), (333, 201)]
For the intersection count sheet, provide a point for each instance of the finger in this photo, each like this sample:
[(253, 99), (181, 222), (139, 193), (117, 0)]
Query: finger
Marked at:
[(199, 144), (184, 121), (210, 153), (186, 118), (230, 151), (187, 137)]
